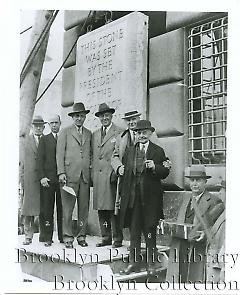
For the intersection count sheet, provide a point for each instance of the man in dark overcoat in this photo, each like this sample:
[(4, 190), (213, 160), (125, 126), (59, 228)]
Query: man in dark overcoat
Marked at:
[(31, 184), (73, 168), (142, 194), (47, 170), (187, 257)]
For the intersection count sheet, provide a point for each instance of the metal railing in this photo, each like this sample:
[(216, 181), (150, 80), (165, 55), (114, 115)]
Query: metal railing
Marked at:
[(207, 92)]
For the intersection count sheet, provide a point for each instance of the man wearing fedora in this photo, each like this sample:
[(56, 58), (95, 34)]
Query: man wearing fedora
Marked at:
[(50, 189), (124, 141), (187, 258), (30, 180), (104, 184), (142, 195), (73, 168)]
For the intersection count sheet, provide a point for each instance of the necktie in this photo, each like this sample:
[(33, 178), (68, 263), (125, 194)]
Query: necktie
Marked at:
[(143, 148), (38, 138), (104, 131), (134, 137), (56, 136), (80, 134)]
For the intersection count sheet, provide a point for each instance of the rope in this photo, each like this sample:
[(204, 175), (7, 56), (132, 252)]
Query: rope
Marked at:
[(25, 30), (54, 77), (37, 46)]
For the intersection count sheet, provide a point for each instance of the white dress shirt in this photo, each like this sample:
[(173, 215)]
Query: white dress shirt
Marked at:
[(144, 145), (107, 128)]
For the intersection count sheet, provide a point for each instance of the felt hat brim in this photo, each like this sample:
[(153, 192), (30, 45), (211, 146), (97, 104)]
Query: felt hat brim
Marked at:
[(77, 112), (110, 110)]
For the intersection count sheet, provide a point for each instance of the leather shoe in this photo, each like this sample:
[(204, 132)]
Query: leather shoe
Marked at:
[(48, 244), (117, 244), (82, 243), (131, 268), (69, 245), (104, 243), (27, 241)]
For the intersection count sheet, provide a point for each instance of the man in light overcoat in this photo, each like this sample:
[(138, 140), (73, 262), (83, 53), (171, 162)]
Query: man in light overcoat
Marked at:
[(73, 168), (104, 180), (124, 141), (31, 184)]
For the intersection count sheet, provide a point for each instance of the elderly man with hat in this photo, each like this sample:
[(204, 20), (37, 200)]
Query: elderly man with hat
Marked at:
[(73, 167), (31, 184), (124, 141), (142, 195), (200, 209), (104, 182)]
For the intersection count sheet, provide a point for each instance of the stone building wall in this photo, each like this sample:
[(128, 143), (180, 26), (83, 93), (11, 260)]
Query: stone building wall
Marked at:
[(167, 104)]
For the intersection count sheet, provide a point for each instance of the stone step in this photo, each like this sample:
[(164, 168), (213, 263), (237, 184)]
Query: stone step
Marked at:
[(141, 276), (56, 263)]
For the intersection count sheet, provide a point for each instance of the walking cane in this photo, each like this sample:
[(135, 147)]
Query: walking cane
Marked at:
[(118, 199)]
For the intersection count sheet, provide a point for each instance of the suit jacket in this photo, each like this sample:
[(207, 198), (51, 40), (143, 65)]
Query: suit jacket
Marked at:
[(46, 159), (152, 198), (210, 207), (74, 154), (31, 184), (122, 143), (104, 192)]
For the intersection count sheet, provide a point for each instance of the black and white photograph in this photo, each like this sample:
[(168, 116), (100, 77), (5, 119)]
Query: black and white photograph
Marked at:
[(124, 177)]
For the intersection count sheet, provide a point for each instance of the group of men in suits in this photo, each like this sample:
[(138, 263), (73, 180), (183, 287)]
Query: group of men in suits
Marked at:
[(40, 181), (124, 167), (76, 158)]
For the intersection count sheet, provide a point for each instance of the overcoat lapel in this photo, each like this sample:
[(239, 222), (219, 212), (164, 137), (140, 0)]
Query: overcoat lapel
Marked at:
[(150, 151), (203, 203), (98, 137), (184, 206), (52, 139), (76, 135), (110, 133), (84, 135), (33, 144)]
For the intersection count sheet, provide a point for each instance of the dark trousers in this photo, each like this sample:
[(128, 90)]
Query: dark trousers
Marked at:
[(82, 191), (46, 220), (109, 226), (138, 225), (41, 222)]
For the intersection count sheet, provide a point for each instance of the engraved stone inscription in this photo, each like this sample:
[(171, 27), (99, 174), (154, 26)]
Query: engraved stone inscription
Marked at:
[(111, 67)]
